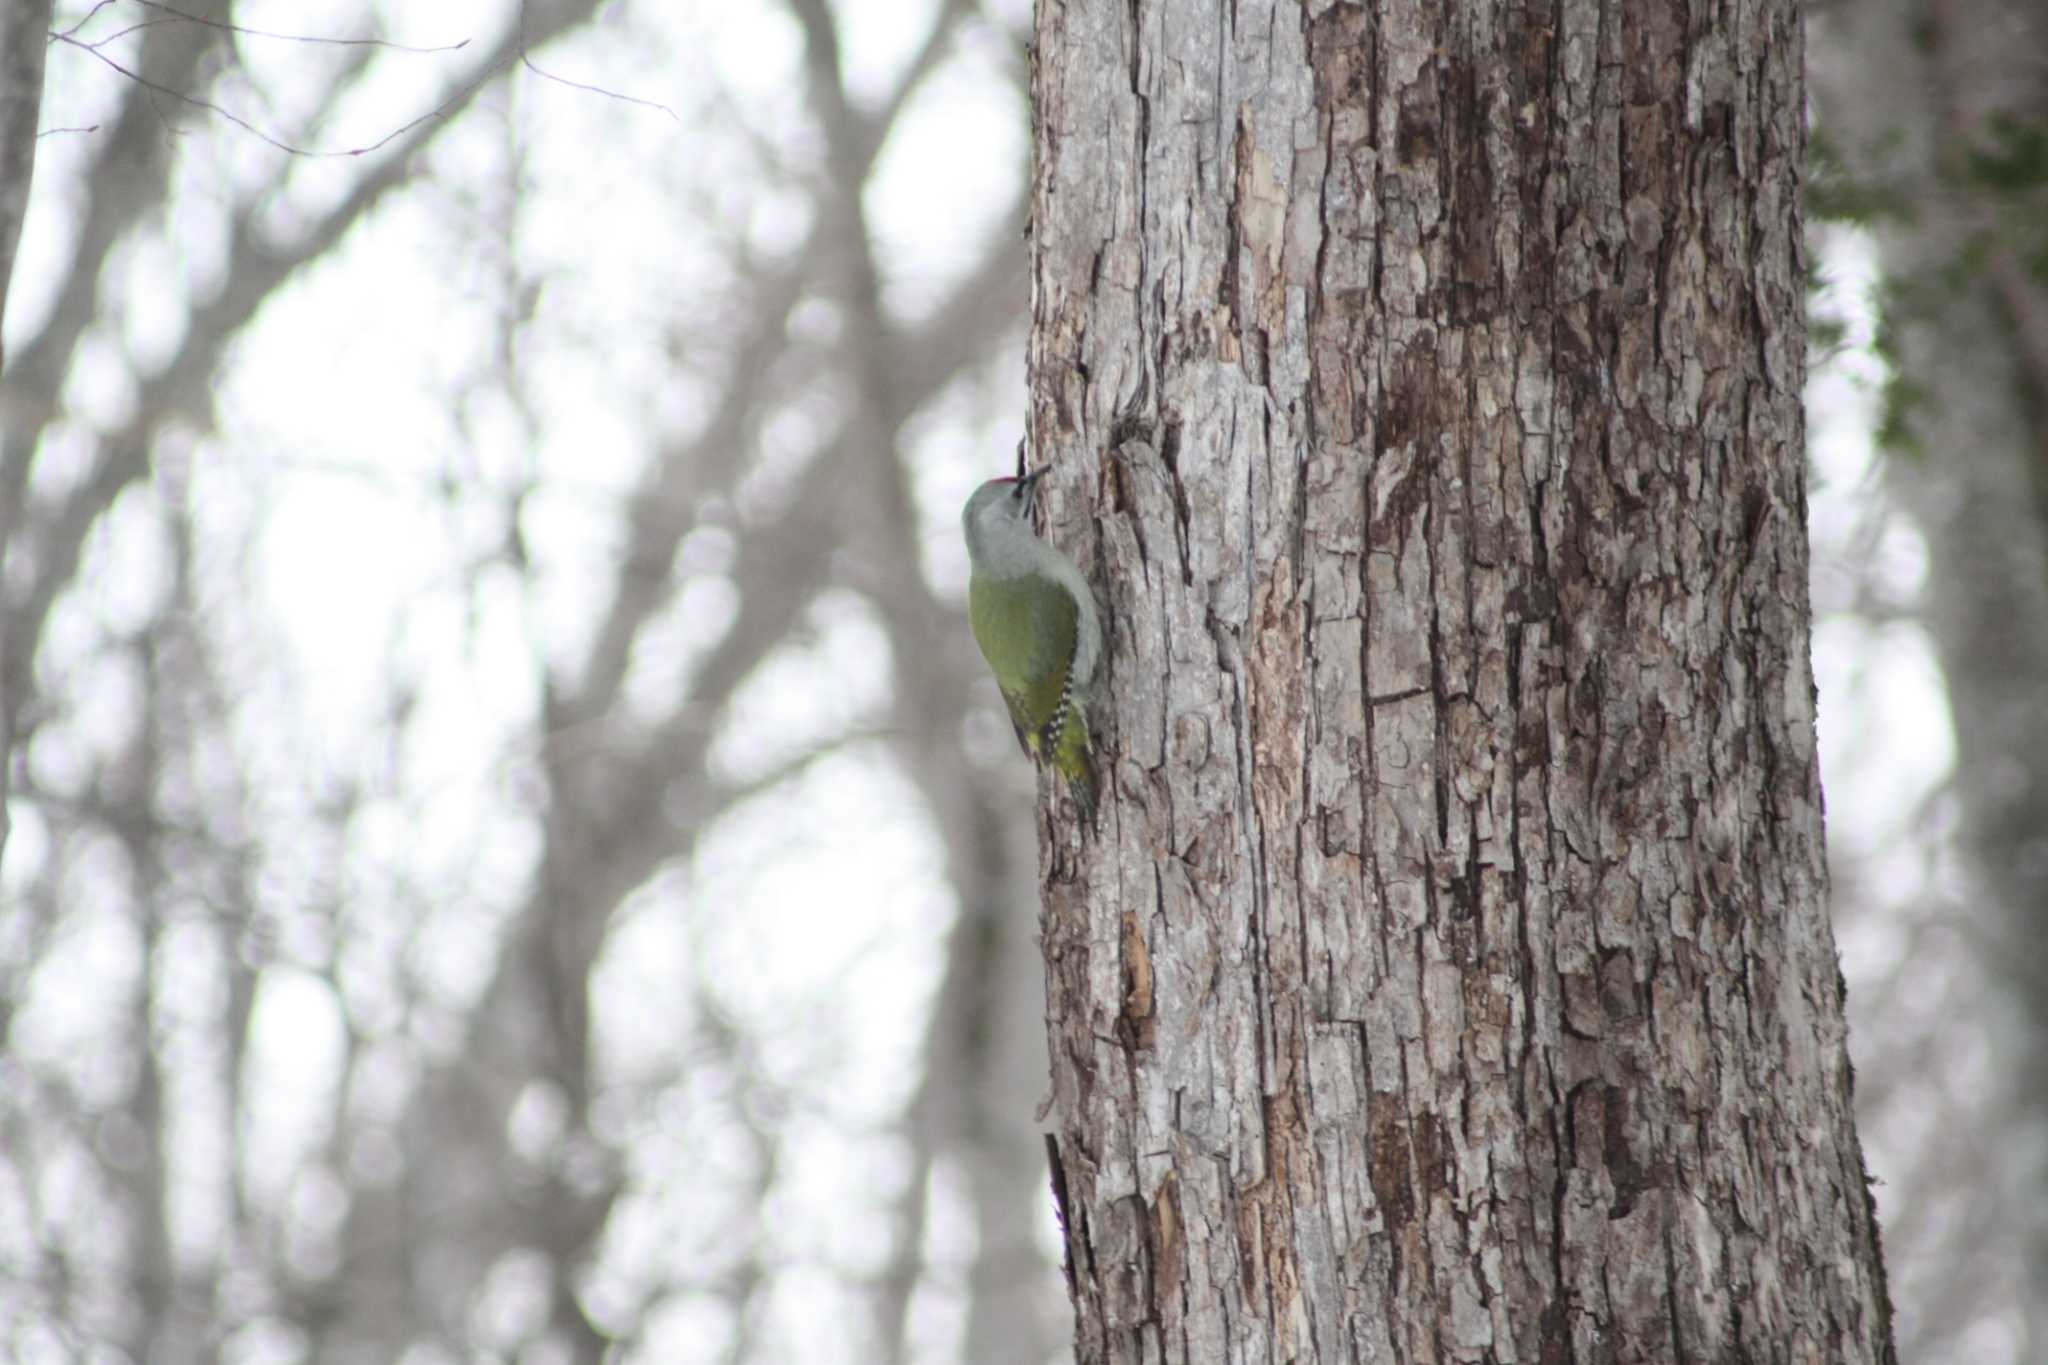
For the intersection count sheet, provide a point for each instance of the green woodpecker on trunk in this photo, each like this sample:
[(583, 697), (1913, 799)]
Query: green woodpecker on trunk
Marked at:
[(1035, 620)]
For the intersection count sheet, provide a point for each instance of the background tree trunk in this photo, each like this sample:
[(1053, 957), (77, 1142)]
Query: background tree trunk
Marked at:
[(1449, 977), (1938, 115), (21, 97)]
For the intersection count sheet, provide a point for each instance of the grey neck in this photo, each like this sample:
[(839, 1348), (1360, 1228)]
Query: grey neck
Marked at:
[(1003, 547)]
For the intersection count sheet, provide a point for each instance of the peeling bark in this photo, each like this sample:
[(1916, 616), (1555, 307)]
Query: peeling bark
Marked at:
[(1449, 975)]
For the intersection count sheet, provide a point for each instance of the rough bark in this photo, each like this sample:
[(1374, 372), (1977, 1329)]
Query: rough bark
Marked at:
[(1913, 93), (1449, 976)]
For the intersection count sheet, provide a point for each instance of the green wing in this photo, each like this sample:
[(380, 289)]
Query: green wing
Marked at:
[(1025, 628)]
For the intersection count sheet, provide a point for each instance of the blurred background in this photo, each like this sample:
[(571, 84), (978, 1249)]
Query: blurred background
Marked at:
[(512, 854)]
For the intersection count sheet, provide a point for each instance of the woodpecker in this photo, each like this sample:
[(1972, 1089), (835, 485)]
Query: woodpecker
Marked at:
[(1036, 622)]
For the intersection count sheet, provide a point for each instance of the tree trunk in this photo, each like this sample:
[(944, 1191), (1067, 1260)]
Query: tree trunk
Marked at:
[(23, 24), (1448, 976)]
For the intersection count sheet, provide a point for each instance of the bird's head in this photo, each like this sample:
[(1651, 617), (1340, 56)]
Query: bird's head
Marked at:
[(998, 525), (1001, 502)]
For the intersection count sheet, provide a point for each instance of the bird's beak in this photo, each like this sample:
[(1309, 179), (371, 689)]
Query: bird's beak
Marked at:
[(1026, 484)]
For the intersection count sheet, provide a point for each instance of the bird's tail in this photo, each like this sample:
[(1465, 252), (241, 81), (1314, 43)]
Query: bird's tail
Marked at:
[(1072, 761)]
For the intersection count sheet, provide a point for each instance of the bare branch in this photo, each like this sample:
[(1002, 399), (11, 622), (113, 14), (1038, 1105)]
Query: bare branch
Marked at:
[(256, 269), (88, 17), (454, 101), (924, 63), (70, 37), (245, 30)]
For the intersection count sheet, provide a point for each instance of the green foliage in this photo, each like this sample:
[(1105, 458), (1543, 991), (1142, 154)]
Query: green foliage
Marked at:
[(2006, 167), (1900, 398), (1996, 181), (1902, 395), (1826, 334), (1837, 194), (2011, 159)]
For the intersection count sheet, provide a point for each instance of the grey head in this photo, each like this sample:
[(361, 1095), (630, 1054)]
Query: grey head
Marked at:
[(997, 522)]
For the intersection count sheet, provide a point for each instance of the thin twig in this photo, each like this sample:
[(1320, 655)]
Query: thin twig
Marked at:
[(178, 15), (88, 18), (295, 37), (156, 88), (70, 38), (526, 61)]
